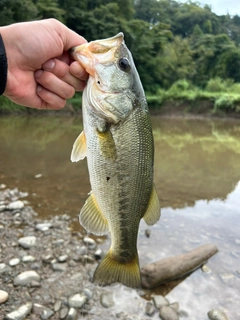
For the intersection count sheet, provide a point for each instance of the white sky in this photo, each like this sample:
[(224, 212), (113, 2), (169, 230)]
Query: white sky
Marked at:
[(221, 7)]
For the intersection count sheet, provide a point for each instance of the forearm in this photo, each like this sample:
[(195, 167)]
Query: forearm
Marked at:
[(3, 66)]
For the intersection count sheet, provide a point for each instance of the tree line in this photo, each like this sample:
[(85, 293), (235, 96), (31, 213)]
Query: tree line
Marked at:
[(169, 40)]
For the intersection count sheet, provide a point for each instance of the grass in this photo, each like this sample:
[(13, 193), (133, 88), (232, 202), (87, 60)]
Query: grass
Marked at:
[(218, 97)]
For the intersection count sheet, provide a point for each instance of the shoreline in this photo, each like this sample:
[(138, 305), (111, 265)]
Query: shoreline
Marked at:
[(169, 109)]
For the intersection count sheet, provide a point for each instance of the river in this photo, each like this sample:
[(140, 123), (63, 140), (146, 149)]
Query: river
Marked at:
[(197, 174)]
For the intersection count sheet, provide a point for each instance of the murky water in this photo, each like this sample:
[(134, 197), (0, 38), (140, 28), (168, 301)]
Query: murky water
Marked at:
[(197, 174)]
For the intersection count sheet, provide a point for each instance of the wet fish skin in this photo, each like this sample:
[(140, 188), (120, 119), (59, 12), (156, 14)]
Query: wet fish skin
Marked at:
[(118, 142)]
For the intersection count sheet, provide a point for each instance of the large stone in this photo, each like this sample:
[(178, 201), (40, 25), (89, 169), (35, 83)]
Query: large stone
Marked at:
[(26, 277)]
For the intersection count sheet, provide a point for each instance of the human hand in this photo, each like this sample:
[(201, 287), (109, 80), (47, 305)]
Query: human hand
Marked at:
[(41, 73)]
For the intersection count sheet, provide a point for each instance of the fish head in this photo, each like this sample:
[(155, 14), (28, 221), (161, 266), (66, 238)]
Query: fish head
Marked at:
[(113, 82)]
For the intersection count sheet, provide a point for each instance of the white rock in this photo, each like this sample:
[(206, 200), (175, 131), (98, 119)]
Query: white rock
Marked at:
[(107, 299), (13, 262), (20, 313), (37, 176), (26, 277), (217, 315), (160, 301), (3, 296), (15, 205), (27, 242), (77, 300), (43, 226), (28, 258)]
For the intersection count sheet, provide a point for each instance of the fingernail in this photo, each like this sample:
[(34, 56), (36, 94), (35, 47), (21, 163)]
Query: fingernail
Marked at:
[(48, 65), (39, 88), (38, 74)]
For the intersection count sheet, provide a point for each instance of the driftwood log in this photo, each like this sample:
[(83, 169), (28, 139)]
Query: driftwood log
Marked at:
[(172, 268)]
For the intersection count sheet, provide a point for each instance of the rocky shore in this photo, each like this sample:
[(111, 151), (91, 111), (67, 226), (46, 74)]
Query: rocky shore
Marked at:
[(46, 270)]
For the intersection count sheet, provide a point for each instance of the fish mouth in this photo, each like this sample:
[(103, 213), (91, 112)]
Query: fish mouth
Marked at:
[(99, 51)]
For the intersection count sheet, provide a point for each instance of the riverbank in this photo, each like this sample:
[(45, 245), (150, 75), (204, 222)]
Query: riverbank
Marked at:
[(171, 103), (46, 268)]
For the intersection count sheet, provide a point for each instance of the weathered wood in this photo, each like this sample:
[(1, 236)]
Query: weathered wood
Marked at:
[(175, 267)]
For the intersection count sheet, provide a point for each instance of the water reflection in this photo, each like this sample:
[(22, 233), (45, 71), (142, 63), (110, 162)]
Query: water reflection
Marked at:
[(197, 173)]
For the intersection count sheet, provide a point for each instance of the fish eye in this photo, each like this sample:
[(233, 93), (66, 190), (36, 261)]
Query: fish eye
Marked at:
[(124, 64)]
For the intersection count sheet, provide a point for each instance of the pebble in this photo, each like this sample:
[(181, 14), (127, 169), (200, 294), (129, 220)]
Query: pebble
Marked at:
[(43, 226), (20, 313), (217, 315), (62, 258), (59, 266), (107, 299), (88, 293), (13, 262), (46, 313), (149, 309), (98, 254), (57, 305), (27, 242), (90, 243), (28, 258), (26, 278), (37, 176), (2, 207), (206, 269), (72, 314), (167, 313), (59, 242), (3, 296), (3, 268), (63, 313), (77, 300), (47, 258), (15, 205), (160, 301), (147, 233)]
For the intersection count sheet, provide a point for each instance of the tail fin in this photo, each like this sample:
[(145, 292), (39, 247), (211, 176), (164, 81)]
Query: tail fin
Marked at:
[(111, 271)]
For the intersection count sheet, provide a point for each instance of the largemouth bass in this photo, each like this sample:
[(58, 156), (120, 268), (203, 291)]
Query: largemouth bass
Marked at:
[(118, 143)]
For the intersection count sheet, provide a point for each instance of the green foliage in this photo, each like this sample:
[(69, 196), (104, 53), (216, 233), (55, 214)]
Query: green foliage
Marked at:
[(169, 40)]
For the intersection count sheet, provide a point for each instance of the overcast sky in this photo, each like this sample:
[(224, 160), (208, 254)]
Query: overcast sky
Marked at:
[(221, 6)]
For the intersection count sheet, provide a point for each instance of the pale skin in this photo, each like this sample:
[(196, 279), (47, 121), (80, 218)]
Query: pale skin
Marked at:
[(41, 73)]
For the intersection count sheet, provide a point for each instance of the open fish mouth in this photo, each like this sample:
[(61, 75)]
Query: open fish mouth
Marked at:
[(89, 54)]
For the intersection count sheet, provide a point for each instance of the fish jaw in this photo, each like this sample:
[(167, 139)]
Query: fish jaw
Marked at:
[(109, 92), (99, 51)]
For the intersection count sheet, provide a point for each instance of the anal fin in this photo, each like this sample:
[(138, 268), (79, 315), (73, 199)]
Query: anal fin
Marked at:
[(153, 212), (91, 218)]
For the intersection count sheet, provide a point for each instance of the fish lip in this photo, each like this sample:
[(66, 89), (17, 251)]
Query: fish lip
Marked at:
[(91, 53)]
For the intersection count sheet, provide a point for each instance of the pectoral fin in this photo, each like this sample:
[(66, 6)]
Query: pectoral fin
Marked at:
[(91, 218), (153, 212), (79, 150)]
